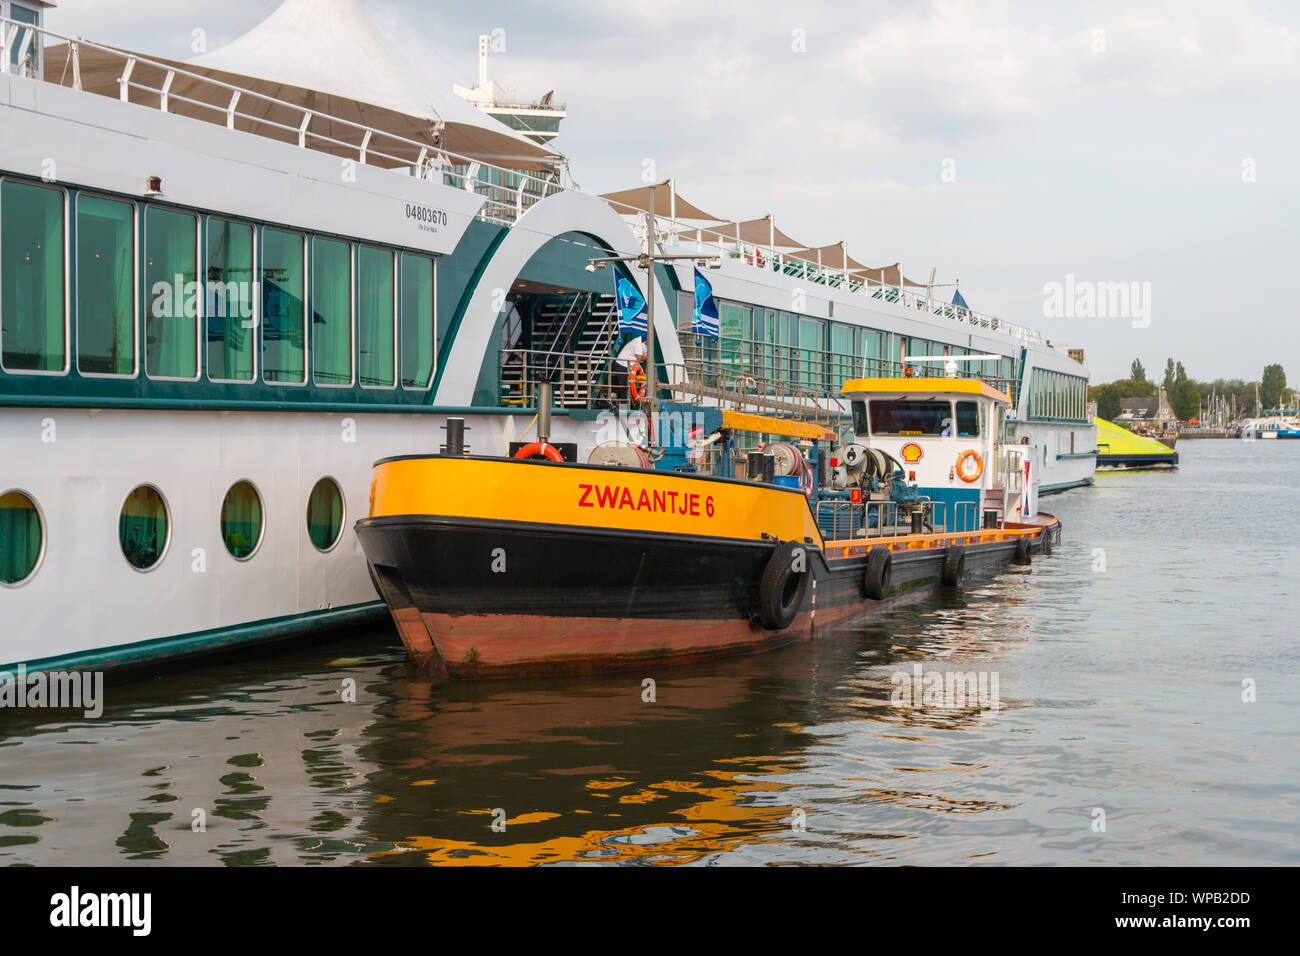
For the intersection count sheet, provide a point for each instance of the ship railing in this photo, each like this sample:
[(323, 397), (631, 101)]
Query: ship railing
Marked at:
[(705, 380), (746, 366), (718, 243), (840, 519), (508, 193), (577, 381)]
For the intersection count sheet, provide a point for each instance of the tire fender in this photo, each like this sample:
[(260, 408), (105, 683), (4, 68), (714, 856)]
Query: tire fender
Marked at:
[(880, 571), (782, 588), (954, 565)]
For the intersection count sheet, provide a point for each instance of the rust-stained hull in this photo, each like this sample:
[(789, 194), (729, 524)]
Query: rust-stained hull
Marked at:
[(575, 600)]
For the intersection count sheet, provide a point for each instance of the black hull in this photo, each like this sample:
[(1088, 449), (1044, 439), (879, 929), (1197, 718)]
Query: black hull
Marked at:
[(482, 598)]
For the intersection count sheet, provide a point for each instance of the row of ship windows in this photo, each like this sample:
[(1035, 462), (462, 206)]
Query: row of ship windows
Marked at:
[(1058, 395), (825, 353), (144, 527), (286, 306)]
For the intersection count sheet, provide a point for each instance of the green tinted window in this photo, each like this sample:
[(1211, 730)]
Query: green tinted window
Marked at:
[(376, 329), (105, 286), (229, 301), (21, 537), (33, 334), (241, 520), (284, 326), (812, 345), (331, 312), (171, 272), (142, 529), (418, 321), (325, 514)]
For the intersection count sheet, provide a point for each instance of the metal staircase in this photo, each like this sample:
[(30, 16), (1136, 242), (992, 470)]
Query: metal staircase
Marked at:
[(567, 343)]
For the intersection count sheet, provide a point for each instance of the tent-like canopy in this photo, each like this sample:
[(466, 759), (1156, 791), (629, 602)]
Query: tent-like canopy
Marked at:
[(639, 198), (885, 275), (322, 55), (754, 232), (831, 257)]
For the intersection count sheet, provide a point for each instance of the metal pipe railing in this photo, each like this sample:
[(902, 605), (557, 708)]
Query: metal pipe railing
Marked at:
[(503, 202)]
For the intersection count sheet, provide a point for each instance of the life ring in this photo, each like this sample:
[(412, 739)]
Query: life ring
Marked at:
[(880, 567), (539, 449), (636, 383), (781, 590), (979, 465)]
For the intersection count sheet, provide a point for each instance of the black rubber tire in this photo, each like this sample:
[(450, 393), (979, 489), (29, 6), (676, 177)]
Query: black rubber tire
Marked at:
[(880, 571), (782, 589), (1022, 551), (954, 565), (1047, 541)]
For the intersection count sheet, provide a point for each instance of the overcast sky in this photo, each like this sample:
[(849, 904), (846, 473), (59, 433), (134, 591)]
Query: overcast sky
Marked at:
[(1007, 144)]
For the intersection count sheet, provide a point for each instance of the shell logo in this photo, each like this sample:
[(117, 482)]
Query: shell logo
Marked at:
[(911, 453)]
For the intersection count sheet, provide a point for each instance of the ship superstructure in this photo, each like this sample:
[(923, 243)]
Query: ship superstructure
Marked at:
[(229, 285)]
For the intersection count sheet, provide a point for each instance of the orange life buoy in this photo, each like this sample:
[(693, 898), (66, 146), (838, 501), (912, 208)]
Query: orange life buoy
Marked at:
[(979, 465), (636, 383), (539, 449)]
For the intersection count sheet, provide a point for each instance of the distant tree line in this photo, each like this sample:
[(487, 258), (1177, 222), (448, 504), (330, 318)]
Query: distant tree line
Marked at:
[(1186, 396)]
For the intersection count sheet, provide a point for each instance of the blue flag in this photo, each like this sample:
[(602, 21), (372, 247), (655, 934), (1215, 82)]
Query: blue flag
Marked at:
[(631, 305), (705, 319), (958, 300)]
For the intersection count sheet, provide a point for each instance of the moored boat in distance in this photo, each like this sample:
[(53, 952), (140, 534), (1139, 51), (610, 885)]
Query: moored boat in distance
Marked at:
[(1274, 423), (495, 567), (1120, 448)]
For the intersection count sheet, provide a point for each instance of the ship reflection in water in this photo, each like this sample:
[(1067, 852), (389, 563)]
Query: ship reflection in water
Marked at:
[(800, 755)]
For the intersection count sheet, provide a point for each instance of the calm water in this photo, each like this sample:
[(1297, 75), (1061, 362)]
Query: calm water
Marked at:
[(1121, 689)]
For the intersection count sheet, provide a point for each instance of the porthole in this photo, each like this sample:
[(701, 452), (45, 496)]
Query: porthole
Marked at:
[(325, 514), (241, 520), (22, 538), (143, 530)]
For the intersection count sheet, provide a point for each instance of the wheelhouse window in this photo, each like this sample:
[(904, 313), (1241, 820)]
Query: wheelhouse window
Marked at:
[(911, 418), (105, 286), (171, 270), (33, 297), (968, 419), (376, 325), (228, 312), (419, 329), (331, 310), (284, 315), (860, 418)]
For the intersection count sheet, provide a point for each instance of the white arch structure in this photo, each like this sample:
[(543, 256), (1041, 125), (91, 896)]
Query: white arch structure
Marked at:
[(553, 216)]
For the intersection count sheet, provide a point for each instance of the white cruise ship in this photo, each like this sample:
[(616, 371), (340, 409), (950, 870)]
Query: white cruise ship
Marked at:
[(229, 285)]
